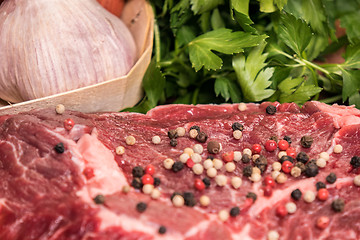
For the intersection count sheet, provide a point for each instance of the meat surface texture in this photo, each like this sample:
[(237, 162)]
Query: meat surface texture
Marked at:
[(83, 192)]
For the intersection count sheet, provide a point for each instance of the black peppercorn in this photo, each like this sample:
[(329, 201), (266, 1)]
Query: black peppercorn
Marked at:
[(59, 148), (245, 158), (235, 211), (136, 183), (288, 139), (138, 172), (189, 199), (311, 170), (162, 230), (213, 147), (251, 195), (237, 126), (338, 205), (331, 178), (247, 171), (296, 194), (286, 158), (201, 137), (306, 141), (173, 142), (177, 166), (302, 157), (206, 181), (210, 157), (156, 181), (99, 199), (301, 166), (355, 161), (271, 109), (141, 207), (320, 185), (275, 138), (195, 127), (261, 163), (172, 134)]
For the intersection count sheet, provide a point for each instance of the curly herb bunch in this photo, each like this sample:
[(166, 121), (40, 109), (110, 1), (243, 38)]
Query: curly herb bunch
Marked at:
[(215, 51)]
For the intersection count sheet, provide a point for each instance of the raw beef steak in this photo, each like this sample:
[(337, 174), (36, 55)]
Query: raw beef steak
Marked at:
[(134, 176)]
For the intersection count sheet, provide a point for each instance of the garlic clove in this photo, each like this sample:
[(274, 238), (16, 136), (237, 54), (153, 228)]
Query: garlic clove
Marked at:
[(53, 46)]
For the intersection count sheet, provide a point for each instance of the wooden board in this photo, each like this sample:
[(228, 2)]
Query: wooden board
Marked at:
[(114, 94)]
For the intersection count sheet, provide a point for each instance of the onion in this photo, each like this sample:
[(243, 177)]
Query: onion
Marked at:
[(53, 46)]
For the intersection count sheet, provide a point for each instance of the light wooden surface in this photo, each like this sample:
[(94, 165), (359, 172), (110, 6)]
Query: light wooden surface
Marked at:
[(114, 94)]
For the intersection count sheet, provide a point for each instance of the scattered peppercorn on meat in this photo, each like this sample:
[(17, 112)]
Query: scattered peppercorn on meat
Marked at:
[(181, 172)]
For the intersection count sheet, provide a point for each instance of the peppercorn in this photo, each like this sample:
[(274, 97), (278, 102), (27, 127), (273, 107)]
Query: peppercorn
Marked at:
[(173, 142), (355, 161), (157, 181), (213, 147), (283, 145), (288, 139), (247, 171), (189, 199), (261, 163), (210, 157), (177, 166), (286, 158), (320, 185), (296, 194), (174, 194), (136, 183), (306, 141), (235, 211), (271, 109), (311, 170), (172, 134), (99, 199), (338, 205), (201, 137), (331, 178), (162, 230), (237, 126), (275, 138), (197, 128), (141, 207), (301, 166), (59, 148), (245, 158), (138, 172), (302, 157), (251, 195), (206, 181)]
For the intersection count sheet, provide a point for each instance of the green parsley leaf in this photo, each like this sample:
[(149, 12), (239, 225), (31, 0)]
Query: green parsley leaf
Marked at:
[(222, 40), (153, 83), (267, 6), (355, 100), (201, 6), (314, 15), (351, 23), (216, 20), (351, 83), (251, 75), (295, 90), (295, 33), (352, 56), (240, 6), (280, 3), (245, 22), (222, 87)]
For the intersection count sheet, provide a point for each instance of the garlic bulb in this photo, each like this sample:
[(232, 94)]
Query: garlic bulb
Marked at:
[(53, 46)]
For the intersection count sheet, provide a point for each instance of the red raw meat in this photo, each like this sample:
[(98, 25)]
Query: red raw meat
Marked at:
[(46, 194)]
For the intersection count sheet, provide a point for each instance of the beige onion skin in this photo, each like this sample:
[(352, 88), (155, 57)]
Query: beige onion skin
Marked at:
[(53, 46)]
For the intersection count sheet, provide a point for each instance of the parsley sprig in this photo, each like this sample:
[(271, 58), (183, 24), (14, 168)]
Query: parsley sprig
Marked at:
[(216, 51)]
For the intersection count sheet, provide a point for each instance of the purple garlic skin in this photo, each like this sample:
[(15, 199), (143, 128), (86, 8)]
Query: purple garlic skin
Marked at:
[(53, 46)]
